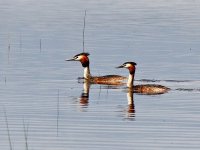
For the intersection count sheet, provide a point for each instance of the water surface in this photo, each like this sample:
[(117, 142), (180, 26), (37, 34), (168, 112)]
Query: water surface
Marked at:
[(41, 95)]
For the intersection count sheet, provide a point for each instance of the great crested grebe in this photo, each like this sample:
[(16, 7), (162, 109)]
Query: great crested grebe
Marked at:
[(108, 79), (145, 88)]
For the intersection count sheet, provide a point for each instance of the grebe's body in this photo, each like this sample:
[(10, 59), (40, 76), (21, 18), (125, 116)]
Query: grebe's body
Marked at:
[(150, 89), (108, 79), (143, 89)]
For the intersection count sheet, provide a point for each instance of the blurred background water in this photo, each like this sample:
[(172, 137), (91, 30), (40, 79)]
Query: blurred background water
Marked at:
[(40, 93)]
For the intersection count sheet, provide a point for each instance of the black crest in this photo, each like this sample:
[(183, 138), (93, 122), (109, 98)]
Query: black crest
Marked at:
[(130, 62), (84, 53)]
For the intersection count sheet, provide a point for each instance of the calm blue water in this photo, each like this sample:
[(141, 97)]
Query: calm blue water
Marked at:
[(41, 96)]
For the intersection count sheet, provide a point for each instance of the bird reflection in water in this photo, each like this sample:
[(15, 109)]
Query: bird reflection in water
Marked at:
[(130, 111), (131, 106), (84, 98)]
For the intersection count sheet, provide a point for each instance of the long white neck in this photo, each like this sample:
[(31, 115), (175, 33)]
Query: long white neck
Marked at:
[(87, 72), (86, 86), (130, 80)]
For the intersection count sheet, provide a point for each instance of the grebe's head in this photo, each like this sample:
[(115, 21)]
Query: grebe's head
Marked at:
[(82, 57), (131, 66)]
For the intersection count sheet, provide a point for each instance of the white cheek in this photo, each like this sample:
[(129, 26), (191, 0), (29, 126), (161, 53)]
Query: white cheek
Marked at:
[(79, 57), (127, 65)]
